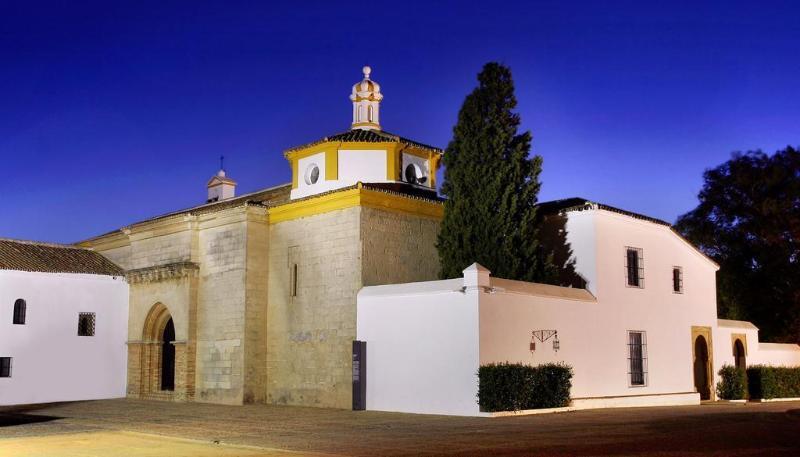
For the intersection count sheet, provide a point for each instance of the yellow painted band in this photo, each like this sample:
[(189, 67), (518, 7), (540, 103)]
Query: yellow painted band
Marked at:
[(355, 197)]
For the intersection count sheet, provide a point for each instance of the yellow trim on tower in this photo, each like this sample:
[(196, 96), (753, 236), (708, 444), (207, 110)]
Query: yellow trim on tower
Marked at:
[(392, 163), (331, 164), (293, 164), (355, 197)]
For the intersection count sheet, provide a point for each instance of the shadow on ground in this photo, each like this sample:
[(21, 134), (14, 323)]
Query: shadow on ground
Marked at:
[(12, 419)]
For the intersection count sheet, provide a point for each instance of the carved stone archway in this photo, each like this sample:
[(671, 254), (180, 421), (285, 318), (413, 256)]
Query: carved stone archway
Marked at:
[(146, 361)]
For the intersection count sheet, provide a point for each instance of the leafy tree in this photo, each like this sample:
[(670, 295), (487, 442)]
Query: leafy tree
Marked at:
[(491, 183), (748, 221)]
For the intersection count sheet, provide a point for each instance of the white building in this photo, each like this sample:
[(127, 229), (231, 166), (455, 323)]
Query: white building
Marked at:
[(643, 331), (63, 324)]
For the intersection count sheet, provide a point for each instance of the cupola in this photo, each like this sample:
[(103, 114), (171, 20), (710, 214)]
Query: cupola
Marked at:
[(366, 98), (220, 187)]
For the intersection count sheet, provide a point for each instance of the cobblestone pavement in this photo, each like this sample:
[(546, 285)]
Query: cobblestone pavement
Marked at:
[(709, 429)]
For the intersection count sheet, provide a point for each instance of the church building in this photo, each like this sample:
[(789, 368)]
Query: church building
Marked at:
[(252, 298), (273, 296)]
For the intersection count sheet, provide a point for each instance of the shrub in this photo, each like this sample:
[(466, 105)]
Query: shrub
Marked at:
[(767, 382), (732, 384), (514, 386)]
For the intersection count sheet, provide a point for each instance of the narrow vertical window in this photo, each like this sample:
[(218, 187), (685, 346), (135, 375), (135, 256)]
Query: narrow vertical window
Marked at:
[(5, 367), (677, 280), (634, 267), (86, 323), (369, 113), (294, 280), (294, 271), (637, 358), (19, 311)]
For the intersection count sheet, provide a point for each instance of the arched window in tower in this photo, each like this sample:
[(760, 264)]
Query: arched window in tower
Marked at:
[(19, 311), (369, 113)]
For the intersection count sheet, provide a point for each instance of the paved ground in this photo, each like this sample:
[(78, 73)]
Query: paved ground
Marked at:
[(142, 428)]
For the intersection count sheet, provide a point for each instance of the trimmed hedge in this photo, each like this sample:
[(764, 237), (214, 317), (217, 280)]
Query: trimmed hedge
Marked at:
[(514, 386), (766, 382), (732, 383)]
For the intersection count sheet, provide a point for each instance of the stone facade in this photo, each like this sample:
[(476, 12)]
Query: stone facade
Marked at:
[(263, 312)]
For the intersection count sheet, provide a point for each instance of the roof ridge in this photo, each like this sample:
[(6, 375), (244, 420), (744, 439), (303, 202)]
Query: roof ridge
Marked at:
[(44, 243)]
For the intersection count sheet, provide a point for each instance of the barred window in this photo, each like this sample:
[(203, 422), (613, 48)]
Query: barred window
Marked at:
[(637, 358), (86, 324), (677, 280), (19, 311), (5, 367), (634, 267)]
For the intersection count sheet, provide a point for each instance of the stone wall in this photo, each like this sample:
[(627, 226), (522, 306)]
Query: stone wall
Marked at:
[(309, 336), (255, 315), (221, 307), (398, 247)]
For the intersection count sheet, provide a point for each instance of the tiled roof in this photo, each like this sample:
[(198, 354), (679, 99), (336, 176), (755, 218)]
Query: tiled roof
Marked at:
[(266, 197), (368, 136), (580, 204), (53, 258)]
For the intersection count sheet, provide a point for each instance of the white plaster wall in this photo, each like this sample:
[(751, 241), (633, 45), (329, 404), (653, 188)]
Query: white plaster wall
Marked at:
[(51, 362), (723, 345), (422, 347), (362, 165), (582, 240), (776, 354), (594, 335)]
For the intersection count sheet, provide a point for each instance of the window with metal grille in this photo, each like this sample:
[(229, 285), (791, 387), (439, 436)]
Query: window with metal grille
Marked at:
[(677, 280), (85, 324), (637, 358), (19, 311), (634, 267), (5, 367)]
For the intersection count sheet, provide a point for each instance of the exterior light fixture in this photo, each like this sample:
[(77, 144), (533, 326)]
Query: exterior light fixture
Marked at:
[(544, 335)]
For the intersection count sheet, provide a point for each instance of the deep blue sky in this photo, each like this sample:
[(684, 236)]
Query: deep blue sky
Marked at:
[(111, 113)]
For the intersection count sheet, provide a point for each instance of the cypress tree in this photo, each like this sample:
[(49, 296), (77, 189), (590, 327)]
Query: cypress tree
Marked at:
[(491, 183)]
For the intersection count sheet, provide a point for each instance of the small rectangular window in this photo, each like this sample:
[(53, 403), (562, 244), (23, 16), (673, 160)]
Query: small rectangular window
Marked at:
[(677, 280), (5, 367), (637, 358), (86, 324), (634, 267)]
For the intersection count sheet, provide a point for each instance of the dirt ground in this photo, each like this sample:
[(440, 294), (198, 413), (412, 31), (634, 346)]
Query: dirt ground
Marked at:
[(147, 428)]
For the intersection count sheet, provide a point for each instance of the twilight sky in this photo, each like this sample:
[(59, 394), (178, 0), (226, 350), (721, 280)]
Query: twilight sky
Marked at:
[(111, 113)]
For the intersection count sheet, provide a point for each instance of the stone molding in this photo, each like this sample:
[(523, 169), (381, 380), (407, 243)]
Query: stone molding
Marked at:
[(163, 272)]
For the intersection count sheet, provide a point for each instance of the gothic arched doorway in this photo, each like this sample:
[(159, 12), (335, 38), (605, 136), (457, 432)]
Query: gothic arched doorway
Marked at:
[(158, 355), (168, 357), (739, 356), (702, 381)]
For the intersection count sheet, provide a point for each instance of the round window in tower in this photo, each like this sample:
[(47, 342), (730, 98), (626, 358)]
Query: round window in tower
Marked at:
[(312, 174), (414, 174)]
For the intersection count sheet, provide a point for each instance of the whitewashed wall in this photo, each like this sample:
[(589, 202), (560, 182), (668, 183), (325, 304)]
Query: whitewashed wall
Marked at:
[(776, 354), (50, 361), (422, 347)]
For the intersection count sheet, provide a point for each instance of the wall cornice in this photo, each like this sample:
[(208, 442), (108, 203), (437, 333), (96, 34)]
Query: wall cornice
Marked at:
[(165, 272)]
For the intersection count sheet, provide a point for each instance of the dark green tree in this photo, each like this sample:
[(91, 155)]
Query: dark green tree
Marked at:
[(491, 183), (748, 221)]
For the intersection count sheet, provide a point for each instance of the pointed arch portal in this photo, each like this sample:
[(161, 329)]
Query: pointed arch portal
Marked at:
[(162, 371)]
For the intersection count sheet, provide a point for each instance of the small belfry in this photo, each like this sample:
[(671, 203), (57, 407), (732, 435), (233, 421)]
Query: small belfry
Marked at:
[(366, 98), (220, 187)]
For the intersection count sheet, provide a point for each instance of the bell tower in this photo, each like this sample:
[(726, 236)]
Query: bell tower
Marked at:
[(366, 98)]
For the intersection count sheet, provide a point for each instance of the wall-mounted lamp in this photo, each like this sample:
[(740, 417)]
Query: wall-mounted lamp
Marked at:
[(544, 335)]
